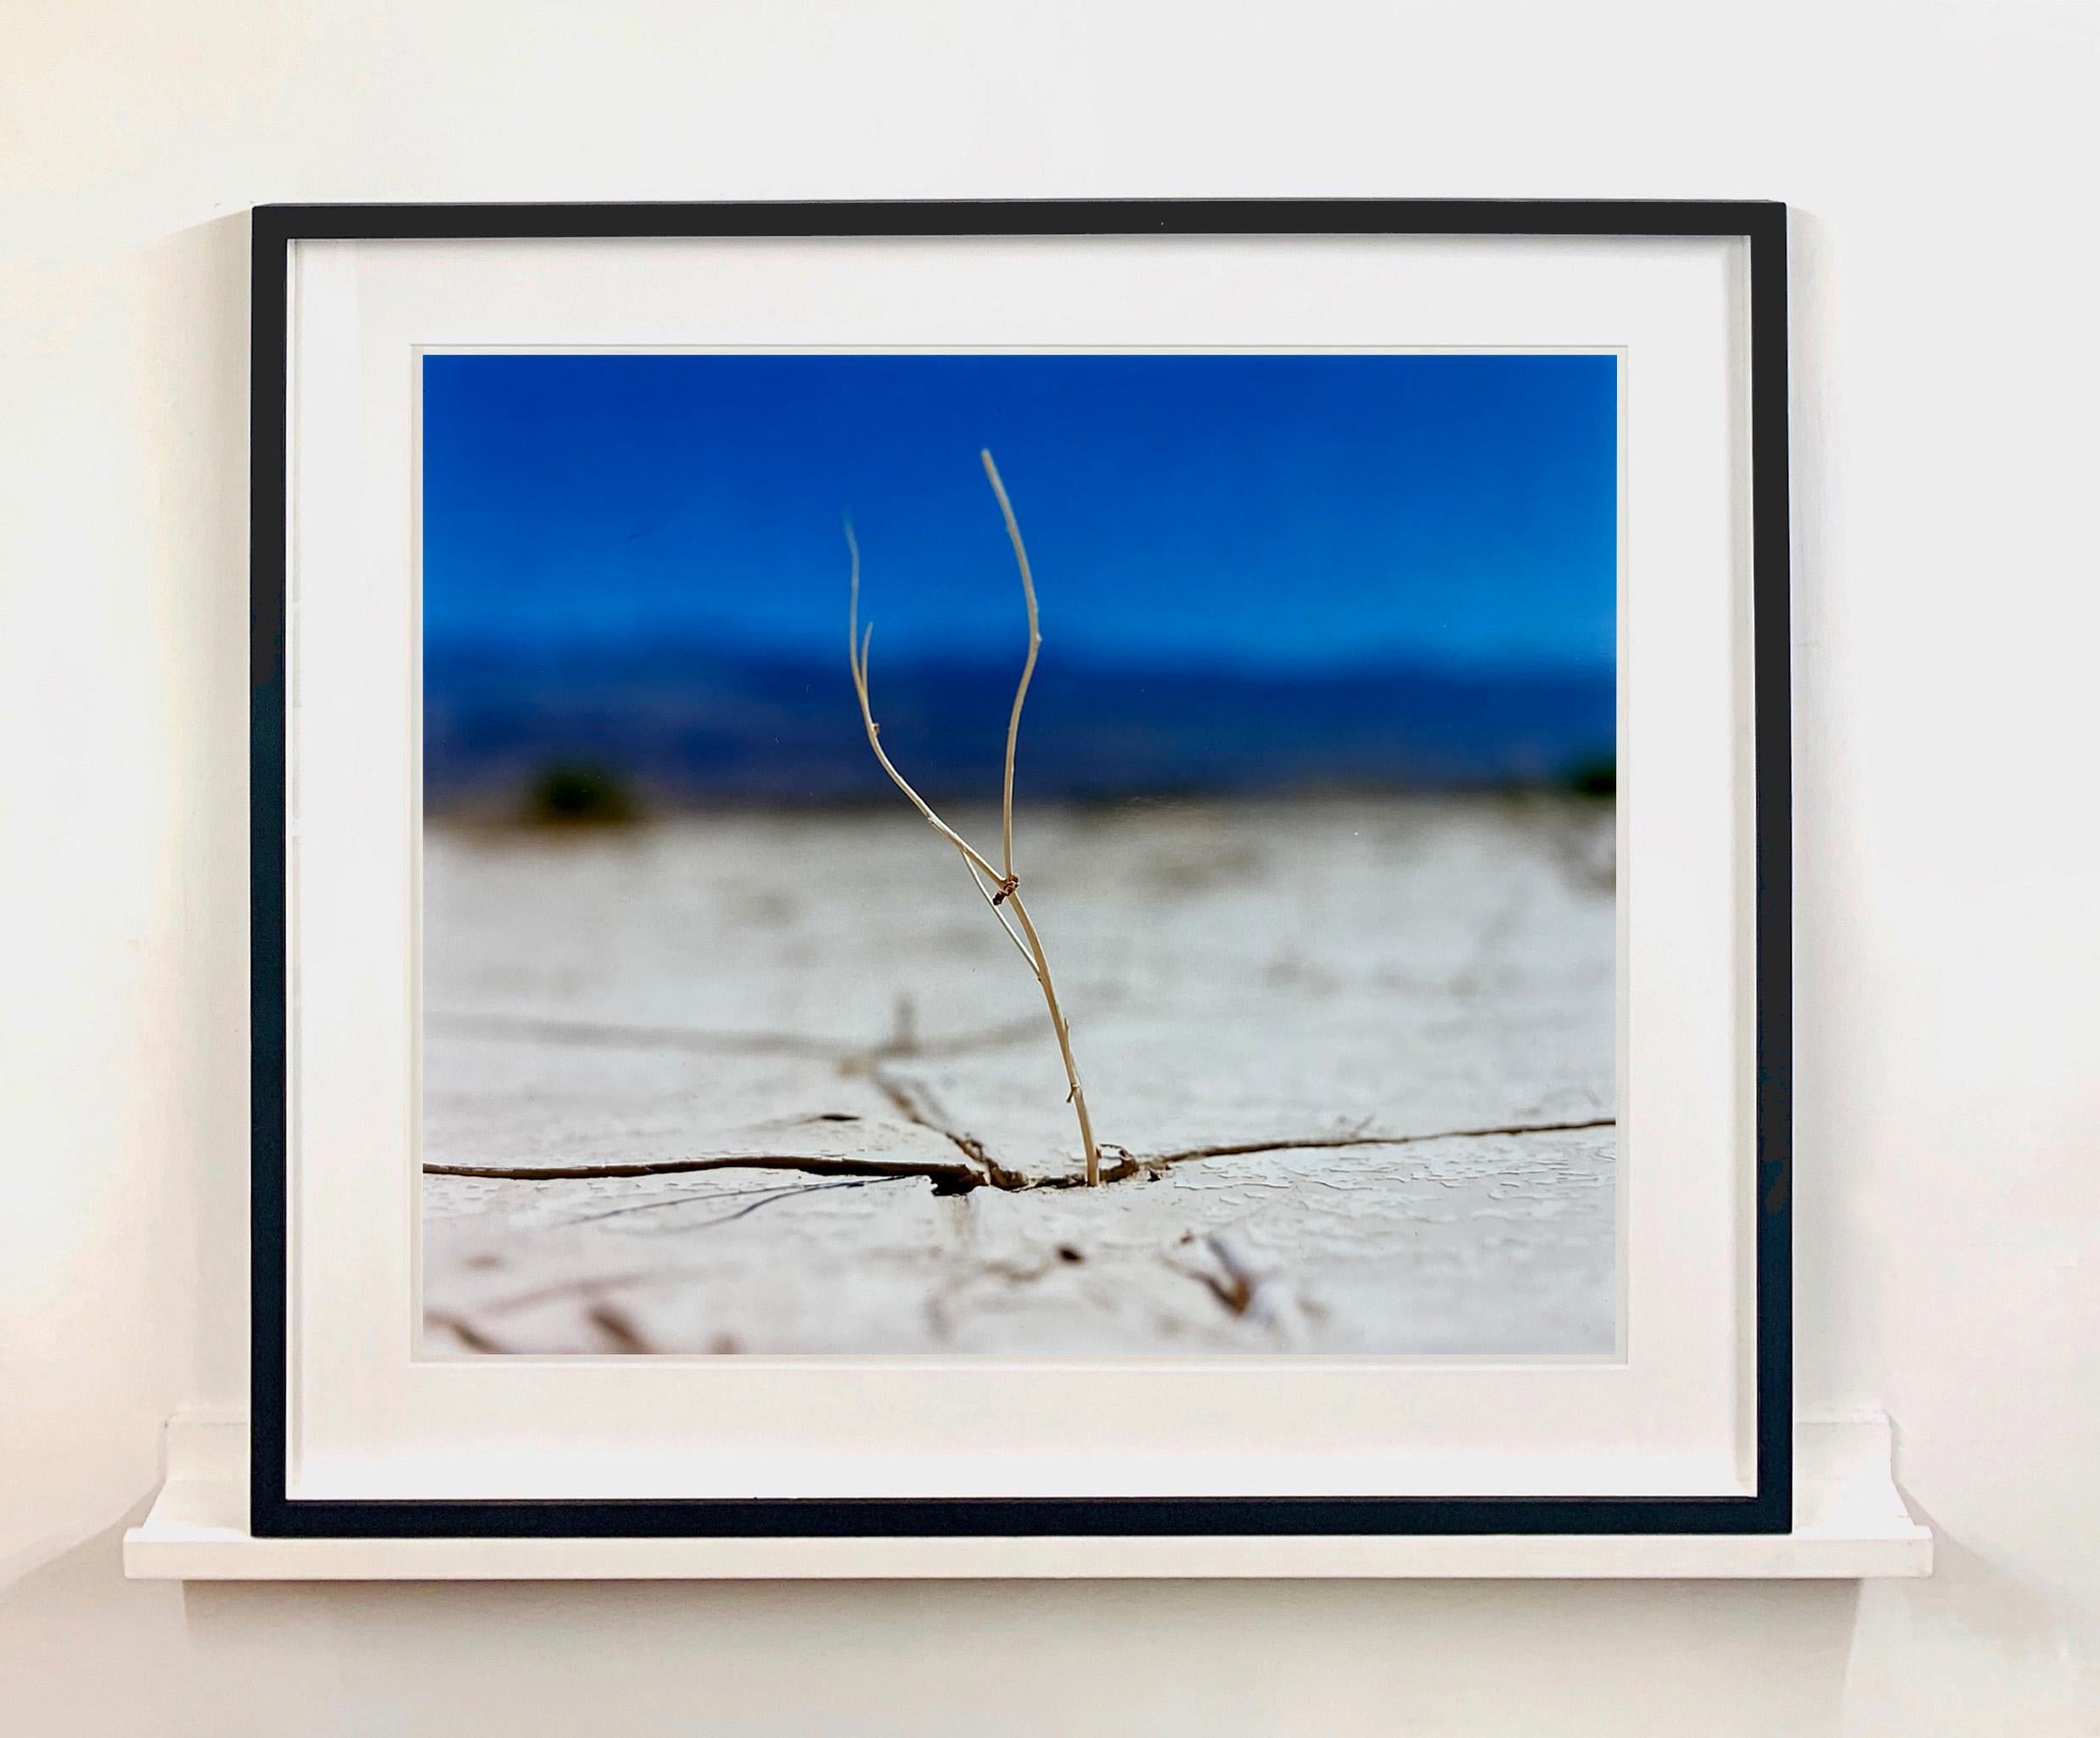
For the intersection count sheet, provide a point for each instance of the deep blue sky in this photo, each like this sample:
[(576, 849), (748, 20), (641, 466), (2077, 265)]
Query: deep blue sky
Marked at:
[(1253, 511)]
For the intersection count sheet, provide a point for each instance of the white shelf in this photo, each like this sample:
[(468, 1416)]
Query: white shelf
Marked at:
[(1851, 1522)]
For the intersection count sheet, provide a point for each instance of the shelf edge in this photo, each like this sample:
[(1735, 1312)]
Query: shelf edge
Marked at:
[(1851, 1523)]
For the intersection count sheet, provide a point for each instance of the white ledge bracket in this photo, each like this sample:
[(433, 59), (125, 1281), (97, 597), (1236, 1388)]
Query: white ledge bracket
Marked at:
[(1850, 1523)]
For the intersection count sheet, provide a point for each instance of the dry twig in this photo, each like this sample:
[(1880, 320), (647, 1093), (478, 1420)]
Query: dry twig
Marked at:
[(999, 887)]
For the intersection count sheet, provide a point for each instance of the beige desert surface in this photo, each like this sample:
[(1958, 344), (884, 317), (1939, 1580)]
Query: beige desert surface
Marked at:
[(775, 1084)]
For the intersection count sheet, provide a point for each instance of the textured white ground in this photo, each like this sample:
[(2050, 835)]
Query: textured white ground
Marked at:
[(1350, 992)]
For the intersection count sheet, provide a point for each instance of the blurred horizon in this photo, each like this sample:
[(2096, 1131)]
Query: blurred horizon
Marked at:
[(1256, 572)]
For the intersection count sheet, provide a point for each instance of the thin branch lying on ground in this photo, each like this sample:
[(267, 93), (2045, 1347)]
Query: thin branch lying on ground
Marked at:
[(999, 886), (1234, 1284), (465, 1331)]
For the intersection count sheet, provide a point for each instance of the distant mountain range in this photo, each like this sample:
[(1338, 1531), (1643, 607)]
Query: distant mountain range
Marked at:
[(686, 724)]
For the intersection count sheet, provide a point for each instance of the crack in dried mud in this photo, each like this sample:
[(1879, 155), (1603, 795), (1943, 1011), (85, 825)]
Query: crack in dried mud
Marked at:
[(913, 1101), (980, 1170), (960, 1178), (752, 1200), (1316, 1142), (903, 1039)]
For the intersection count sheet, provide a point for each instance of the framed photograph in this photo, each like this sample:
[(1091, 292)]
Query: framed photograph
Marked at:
[(1035, 869)]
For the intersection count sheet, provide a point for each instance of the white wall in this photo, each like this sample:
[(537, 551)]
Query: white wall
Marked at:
[(1940, 158)]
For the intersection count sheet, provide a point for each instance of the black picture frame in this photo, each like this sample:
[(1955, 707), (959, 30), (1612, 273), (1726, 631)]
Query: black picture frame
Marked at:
[(274, 1514)]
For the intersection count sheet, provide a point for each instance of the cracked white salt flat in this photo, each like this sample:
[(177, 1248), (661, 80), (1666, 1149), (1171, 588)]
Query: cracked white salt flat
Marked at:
[(776, 1083)]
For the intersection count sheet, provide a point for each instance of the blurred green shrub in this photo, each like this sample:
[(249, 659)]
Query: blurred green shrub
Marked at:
[(578, 794), (1593, 778)]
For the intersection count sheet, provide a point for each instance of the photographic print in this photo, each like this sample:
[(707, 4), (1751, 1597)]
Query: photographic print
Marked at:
[(1065, 852)]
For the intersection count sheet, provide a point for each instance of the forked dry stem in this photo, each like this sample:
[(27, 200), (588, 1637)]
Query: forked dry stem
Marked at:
[(1003, 892), (856, 645), (1028, 668)]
